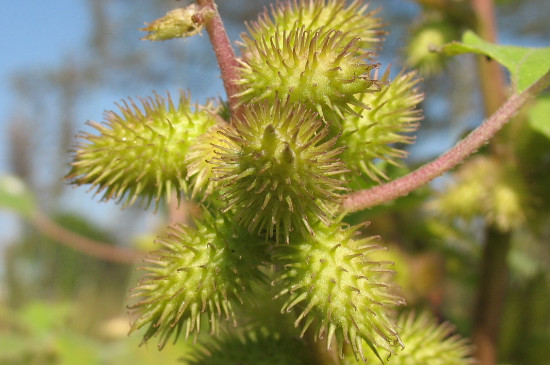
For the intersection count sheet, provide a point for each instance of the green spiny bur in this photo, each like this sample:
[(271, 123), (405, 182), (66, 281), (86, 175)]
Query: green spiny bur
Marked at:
[(486, 187), (332, 283), (426, 36), (321, 15), (426, 342), (140, 152), (393, 113), (323, 70), (201, 270), (279, 172)]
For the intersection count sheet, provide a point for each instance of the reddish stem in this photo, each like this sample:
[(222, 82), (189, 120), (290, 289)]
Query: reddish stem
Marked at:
[(83, 244), (404, 185), (223, 50)]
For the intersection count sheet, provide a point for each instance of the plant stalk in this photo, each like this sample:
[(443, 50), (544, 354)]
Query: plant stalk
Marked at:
[(489, 306), (224, 52), (83, 244)]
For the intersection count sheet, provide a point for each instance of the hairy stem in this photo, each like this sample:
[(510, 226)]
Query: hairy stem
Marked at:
[(224, 52), (400, 187)]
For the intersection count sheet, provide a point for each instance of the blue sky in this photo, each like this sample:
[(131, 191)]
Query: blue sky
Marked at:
[(35, 34), (41, 35)]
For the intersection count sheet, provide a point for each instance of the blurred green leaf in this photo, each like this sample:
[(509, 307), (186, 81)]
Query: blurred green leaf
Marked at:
[(41, 318), (15, 196), (539, 115), (42, 333), (526, 65), (76, 349)]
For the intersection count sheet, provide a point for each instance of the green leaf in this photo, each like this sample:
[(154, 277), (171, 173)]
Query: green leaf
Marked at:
[(15, 196), (526, 65), (539, 115)]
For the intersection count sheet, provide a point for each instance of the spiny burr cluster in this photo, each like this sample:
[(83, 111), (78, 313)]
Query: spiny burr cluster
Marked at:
[(352, 20), (375, 134), (312, 108)]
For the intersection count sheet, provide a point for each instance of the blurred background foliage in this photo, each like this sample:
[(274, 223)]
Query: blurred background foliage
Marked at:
[(61, 303)]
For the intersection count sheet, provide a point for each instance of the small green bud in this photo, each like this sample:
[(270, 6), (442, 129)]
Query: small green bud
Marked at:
[(422, 50), (332, 281), (488, 188), (177, 23)]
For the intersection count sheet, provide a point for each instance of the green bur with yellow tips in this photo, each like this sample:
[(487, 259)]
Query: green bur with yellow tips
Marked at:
[(140, 152), (199, 271), (313, 15), (426, 342), (372, 136), (324, 70), (278, 170), (333, 284)]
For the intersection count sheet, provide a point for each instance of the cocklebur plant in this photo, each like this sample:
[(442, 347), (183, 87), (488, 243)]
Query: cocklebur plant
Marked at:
[(309, 108)]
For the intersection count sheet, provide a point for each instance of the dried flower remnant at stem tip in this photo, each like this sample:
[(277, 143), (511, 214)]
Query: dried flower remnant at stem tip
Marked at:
[(178, 23)]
